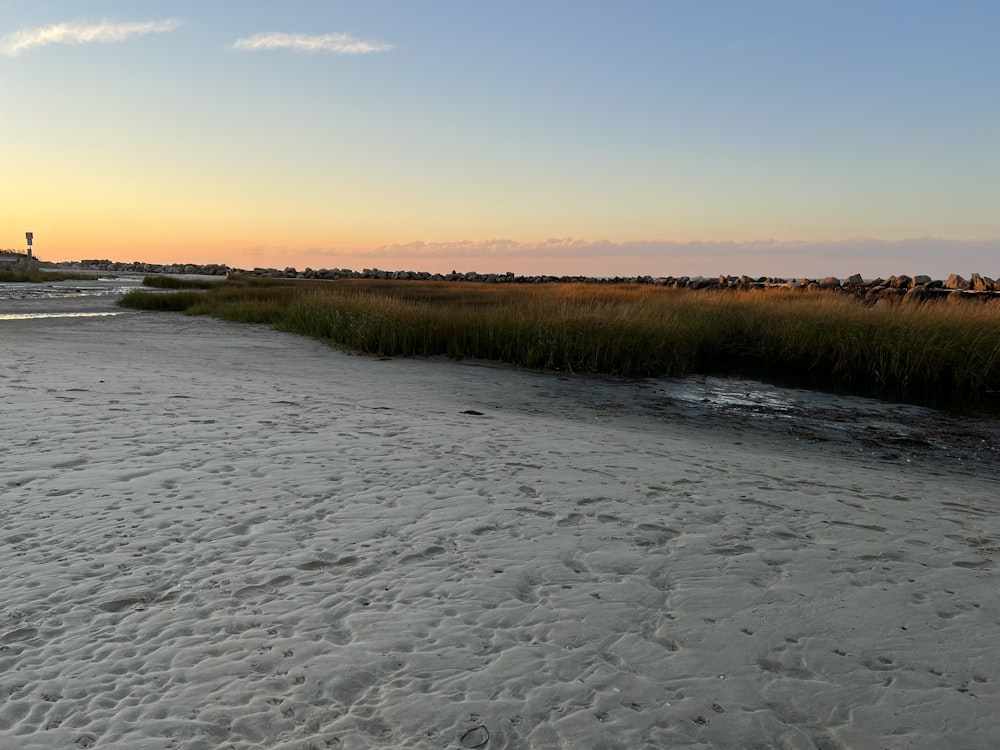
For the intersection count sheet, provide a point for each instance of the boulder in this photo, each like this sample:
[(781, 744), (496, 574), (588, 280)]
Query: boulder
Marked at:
[(981, 283), (956, 282), (875, 292), (885, 295), (891, 296)]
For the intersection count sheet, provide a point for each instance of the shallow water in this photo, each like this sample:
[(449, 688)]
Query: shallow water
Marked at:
[(30, 316), (895, 433), (72, 298), (98, 287)]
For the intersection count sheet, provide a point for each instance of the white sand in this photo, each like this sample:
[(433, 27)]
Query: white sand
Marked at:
[(218, 536)]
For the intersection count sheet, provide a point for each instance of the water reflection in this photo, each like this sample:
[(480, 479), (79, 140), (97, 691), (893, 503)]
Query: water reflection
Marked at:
[(29, 316), (756, 398), (70, 298), (11, 291)]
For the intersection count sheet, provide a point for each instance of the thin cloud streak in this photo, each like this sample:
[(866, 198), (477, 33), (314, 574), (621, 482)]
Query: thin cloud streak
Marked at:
[(570, 248), (340, 44), (81, 33)]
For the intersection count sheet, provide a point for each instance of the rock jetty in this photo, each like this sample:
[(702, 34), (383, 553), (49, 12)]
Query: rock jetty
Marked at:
[(893, 289)]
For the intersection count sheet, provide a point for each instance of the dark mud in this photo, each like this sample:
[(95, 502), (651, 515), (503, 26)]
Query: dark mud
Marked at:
[(931, 439)]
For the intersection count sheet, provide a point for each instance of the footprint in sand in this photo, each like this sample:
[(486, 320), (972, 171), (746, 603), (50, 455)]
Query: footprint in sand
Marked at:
[(476, 737), (21, 634), (314, 565), (733, 550), (432, 551), (986, 564), (786, 660)]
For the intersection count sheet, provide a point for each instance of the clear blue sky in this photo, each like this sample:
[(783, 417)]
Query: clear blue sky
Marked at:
[(776, 137)]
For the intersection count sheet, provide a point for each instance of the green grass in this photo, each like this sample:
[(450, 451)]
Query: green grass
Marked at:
[(931, 352)]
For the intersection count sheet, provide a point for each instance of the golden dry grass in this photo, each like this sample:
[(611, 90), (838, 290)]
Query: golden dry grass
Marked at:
[(929, 351)]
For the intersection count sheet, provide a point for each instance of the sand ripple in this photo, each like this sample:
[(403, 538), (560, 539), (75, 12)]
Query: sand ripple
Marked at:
[(220, 537)]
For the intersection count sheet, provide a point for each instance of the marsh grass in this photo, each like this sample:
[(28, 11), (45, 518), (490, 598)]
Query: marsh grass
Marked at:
[(175, 302), (173, 282), (932, 352), (36, 276)]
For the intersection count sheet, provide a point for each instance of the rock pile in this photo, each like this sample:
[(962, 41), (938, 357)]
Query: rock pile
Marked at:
[(112, 266), (890, 290)]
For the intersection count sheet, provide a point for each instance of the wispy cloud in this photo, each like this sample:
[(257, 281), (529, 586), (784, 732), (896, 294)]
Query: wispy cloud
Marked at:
[(340, 44), (567, 247), (862, 247), (81, 33)]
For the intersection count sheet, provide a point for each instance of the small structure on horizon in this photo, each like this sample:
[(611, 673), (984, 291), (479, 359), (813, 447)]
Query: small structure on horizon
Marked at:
[(30, 237), (11, 259)]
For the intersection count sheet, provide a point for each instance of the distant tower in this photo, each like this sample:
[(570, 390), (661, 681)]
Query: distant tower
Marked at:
[(29, 236)]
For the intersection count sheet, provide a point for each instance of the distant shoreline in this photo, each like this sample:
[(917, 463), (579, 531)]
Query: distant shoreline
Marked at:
[(904, 288)]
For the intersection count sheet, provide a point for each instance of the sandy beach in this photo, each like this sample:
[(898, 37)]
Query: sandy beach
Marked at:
[(218, 536)]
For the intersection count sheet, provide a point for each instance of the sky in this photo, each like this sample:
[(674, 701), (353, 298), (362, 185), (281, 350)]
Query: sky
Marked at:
[(659, 137)]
